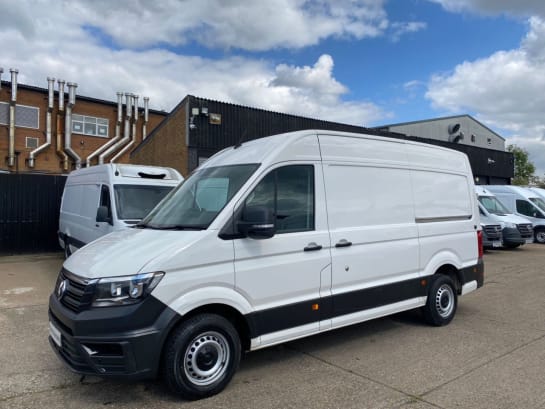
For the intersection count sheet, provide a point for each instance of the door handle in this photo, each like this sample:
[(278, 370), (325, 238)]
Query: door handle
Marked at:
[(312, 247), (343, 243)]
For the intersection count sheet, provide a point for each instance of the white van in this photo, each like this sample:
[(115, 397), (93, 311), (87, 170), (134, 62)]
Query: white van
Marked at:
[(516, 230), (100, 199), (269, 241), (523, 202)]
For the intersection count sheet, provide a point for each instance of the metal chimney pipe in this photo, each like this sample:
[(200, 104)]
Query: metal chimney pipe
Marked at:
[(1, 72), (115, 138), (126, 128), (146, 115), (132, 136), (12, 104), (32, 155), (60, 119), (68, 124)]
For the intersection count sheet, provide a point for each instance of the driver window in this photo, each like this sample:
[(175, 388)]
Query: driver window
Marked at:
[(289, 193)]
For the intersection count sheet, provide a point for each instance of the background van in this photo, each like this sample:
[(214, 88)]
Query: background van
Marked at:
[(523, 202), (100, 199), (516, 230)]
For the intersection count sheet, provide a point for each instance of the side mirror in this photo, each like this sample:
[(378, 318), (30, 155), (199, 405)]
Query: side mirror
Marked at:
[(257, 222), (102, 215)]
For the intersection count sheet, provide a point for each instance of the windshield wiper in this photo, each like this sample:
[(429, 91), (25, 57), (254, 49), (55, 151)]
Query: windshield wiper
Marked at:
[(140, 226), (177, 227)]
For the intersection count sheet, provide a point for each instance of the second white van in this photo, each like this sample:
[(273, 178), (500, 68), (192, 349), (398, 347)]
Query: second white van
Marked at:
[(266, 242), (100, 199)]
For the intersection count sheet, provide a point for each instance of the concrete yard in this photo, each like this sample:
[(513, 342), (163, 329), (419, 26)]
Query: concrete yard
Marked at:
[(491, 356)]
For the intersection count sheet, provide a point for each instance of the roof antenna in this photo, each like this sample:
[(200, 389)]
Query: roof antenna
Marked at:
[(241, 139)]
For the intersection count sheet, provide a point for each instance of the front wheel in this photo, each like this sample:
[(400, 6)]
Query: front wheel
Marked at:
[(201, 356), (442, 302), (539, 235)]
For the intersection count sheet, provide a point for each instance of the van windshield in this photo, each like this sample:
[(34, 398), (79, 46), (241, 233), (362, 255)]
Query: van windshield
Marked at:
[(538, 202), (493, 205), (195, 203), (134, 202)]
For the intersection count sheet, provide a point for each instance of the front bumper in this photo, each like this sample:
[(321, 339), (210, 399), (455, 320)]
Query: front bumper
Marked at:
[(123, 342), (512, 235)]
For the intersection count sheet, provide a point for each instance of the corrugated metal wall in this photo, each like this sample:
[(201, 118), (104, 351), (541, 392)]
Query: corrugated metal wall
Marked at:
[(29, 212)]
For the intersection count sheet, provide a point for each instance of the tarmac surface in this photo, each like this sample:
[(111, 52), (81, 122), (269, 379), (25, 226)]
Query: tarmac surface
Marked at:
[(492, 355)]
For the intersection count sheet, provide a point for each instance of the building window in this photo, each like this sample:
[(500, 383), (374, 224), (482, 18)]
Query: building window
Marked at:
[(90, 125), (31, 143), (25, 116)]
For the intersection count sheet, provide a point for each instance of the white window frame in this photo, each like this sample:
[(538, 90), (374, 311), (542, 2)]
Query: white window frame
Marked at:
[(91, 120), (21, 126)]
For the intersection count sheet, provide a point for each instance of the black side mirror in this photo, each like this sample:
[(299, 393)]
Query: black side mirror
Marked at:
[(257, 222), (102, 215)]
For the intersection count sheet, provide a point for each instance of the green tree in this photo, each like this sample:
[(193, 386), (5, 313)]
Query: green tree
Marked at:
[(524, 168)]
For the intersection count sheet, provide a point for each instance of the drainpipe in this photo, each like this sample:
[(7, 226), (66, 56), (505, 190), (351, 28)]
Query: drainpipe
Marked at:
[(47, 144), (68, 124), (126, 130), (115, 138), (146, 117), (12, 103), (133, 137), (60, 119)]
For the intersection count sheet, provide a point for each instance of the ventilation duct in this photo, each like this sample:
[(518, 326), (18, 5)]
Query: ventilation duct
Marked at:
[(68, 124), (50, 91), (455, 136), (12, 103), (1, 72), (133, 136), (126, 130), (116, 137), (60, 119), (146, 117)]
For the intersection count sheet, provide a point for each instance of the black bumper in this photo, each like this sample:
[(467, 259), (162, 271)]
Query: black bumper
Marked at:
[(473, 273), (512, 235), (122, 342)]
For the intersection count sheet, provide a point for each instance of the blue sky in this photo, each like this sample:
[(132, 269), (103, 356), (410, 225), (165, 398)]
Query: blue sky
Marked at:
[(364, 62)]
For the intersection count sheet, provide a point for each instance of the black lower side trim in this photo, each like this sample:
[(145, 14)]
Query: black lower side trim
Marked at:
[(473, 273), (293, 315)]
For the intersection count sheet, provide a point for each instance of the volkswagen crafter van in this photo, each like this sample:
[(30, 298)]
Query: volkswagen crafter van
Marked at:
[(266, 242), (100, 199)]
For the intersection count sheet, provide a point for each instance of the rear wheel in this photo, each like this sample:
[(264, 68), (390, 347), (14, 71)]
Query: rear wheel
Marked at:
[(201, 356), (539, 235), (442, 302)]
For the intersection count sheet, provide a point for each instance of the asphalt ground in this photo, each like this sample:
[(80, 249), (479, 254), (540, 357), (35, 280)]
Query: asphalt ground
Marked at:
[(492, 355)]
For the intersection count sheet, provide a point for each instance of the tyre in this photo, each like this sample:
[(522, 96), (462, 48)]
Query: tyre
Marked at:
[(539, 235), (67, 252), (201, 356), (442, 301)]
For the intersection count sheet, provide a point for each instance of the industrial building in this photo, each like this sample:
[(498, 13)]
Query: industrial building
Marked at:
[(52, 130), (197, 128)]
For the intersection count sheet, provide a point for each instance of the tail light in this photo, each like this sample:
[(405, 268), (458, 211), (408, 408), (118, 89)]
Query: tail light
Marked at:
[(480, 243)]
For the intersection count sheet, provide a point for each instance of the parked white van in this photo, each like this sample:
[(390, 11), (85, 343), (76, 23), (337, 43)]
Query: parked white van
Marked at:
[(516, 230), (269, 241), (523, 202), (100, 199)]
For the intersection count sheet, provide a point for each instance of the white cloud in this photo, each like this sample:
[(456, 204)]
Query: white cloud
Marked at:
[(245, 24), (505, 90), (52, 42), (399, 28)]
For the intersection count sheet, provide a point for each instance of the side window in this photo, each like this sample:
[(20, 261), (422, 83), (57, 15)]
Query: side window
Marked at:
[(289, 193), (105, 199), (525, 208)]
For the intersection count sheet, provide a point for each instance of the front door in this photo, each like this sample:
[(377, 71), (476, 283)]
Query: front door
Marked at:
[(285, 276)]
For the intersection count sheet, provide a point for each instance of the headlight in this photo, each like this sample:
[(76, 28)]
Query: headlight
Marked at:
[(510, 225), (113, 291)]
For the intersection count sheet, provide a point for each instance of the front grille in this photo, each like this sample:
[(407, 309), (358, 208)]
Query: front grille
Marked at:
[(78, 292), (493, 231), (526, 231)]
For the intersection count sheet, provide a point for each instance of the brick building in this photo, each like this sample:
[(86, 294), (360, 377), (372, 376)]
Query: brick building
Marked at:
[(33, 125)]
